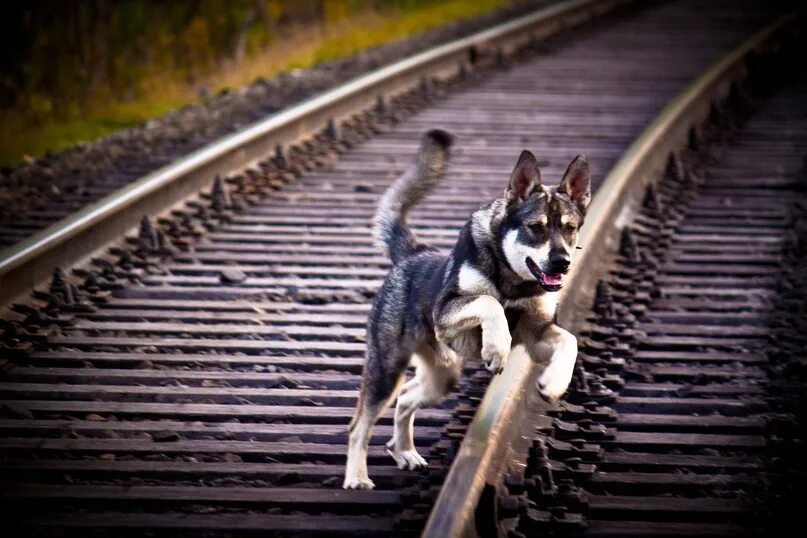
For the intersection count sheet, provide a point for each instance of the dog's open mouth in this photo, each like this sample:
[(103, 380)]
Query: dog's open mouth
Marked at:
[(549, 281)]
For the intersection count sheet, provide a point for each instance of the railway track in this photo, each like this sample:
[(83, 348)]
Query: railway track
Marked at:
[(197, 377), (692, 377)]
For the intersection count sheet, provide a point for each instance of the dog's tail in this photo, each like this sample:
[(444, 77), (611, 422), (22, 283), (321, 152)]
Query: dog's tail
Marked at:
[(390, 229)]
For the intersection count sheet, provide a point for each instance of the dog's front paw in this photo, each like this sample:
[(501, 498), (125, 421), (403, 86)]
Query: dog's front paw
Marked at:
[(558, 373), (496, 350), (408, 459), (357, 483), (555, 379)]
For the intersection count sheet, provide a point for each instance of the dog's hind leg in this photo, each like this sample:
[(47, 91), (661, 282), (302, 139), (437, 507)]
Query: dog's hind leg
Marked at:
[(356, 476), (433, 380), (402, 445), (379, 387)]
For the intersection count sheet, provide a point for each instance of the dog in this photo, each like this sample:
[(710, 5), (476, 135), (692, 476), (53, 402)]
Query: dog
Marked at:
[(504, 273)]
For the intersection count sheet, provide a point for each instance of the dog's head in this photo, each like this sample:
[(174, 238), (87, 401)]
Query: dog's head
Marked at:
[(539, 231)]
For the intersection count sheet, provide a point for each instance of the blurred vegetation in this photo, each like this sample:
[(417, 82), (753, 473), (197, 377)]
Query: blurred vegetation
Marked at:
[(75, 70)]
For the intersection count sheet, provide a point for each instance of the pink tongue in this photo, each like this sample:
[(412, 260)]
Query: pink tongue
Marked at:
[(552, 279)]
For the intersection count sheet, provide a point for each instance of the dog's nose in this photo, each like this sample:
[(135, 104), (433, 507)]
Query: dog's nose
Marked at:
[(559, 262)]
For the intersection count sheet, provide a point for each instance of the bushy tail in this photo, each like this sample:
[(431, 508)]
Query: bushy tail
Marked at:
[(390, 229)]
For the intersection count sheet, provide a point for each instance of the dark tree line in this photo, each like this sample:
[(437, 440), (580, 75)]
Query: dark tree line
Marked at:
[(60, 55)]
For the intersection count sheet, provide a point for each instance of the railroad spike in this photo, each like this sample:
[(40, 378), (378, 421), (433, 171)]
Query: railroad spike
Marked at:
[(543, 467), (628, 246), (582, 380), (163, 245), (541, 450), (473, 56), (380, 106), (675, 167), (147, 236), (219, 195), (651, 201), (280, 158), (603, 301), (599, 390), (60, 288), (57, 281), (126, 262), (71, 295), (91, 282), (331, 131)]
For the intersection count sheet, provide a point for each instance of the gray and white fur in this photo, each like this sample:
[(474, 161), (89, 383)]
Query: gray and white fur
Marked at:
[(498, 287)]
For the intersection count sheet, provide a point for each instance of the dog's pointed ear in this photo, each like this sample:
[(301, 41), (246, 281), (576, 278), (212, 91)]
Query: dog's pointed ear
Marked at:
[(576, 183), (525, 177)]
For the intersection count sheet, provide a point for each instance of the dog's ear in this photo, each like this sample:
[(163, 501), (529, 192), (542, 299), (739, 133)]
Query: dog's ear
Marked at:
[(525, 178), (576, 183)]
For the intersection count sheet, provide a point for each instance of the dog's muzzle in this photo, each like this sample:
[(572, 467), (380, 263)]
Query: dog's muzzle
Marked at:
[(549, 281)]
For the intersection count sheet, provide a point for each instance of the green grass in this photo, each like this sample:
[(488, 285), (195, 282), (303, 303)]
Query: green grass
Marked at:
[(301, 48)]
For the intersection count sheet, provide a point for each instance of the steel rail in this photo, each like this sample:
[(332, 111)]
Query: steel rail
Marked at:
[(30, 262), (491, 443)]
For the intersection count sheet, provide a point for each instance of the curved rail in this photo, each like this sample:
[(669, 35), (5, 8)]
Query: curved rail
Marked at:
[(30, 262), (493, 435)]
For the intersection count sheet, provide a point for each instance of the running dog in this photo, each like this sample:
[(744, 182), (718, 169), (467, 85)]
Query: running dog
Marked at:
[(504, 273)]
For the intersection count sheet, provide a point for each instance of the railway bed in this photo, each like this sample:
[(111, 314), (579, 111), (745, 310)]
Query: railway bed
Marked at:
[(197, 377)]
